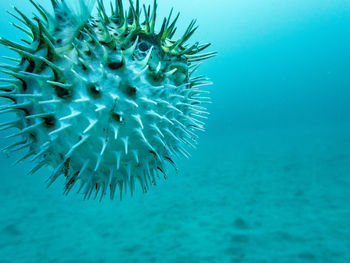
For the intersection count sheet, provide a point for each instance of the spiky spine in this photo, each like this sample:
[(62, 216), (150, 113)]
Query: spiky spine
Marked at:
[(104, 100)]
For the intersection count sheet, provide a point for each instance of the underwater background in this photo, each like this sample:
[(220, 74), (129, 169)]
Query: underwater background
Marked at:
[(270, 180)]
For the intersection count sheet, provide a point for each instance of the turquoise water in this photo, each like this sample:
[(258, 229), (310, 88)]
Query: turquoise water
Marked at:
[(270, 179)]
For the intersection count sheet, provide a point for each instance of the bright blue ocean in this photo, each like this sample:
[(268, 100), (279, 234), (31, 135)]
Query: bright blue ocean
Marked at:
[(270, 180)]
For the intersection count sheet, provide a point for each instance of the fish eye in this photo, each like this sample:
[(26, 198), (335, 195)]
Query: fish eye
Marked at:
[(143, 46)]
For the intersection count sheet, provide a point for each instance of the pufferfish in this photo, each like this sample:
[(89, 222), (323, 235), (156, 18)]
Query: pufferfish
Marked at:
[(104, 100)]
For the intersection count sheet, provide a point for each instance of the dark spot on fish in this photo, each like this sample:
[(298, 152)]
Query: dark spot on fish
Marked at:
[(117, 117), (94, 91), (131, 91), (66, 167), (105, 43), (115, 65), (79, 36), (115, 19), (83, 67), (71, 181), (32, 136), (49, 121), (30, 68), (63, 93)]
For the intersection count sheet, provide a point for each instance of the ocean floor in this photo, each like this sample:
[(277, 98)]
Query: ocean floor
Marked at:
[(262, 196)]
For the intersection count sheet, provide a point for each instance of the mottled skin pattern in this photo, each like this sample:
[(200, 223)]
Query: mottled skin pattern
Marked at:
[(104, 99)]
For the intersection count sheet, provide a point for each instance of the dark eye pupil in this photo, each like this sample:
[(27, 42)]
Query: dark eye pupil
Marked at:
[(143, 47)]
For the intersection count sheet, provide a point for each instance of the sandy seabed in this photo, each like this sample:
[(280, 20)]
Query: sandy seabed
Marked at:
[(262, 196)]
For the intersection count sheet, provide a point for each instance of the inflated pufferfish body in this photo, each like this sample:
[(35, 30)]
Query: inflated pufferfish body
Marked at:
[(104, 100)]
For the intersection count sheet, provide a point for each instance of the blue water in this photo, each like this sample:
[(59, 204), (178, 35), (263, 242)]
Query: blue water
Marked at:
[(270, 179)]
